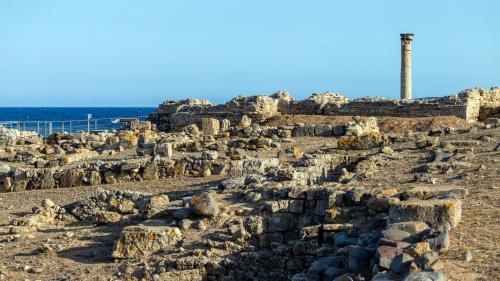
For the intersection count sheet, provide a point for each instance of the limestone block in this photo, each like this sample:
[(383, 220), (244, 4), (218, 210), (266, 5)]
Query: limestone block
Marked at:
[(141, 240), (164, 149), (252, 166), (430, 211), (362, 127), (210, 126), (412, 227), (225, 125), (108, 217), (427, 192)]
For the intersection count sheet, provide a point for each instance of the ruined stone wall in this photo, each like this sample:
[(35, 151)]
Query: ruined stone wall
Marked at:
[(471, 105), (173, 115), (107, 173), (490, 103)]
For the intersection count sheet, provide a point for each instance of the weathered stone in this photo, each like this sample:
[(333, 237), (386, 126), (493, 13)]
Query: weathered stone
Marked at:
[(359, 259), (47, 203), (245, 122), (108, 217), (225, 125), (401, 263), (386, 255), (396, 235), (139, 241), (210, 126), (280, 222), (418, 249), (48, 180), (412, 227), (123, 206), (425, 276), (252, 166), (440, 243), (164, 149), (150, 171), (323, 264), (204, 204), (359, 142), (427, 192), (362, 127), (156, 205), (381, 203), (431, 211), (426, 260), (191, 129), (94, 178)]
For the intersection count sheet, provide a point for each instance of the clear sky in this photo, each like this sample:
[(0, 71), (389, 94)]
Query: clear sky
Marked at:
[(140, 53)]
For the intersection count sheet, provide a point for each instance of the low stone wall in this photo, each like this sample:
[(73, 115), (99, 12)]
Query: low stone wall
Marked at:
[(107, 173)]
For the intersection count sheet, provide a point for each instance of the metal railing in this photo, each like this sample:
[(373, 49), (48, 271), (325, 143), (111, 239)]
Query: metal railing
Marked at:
[(90, 124)]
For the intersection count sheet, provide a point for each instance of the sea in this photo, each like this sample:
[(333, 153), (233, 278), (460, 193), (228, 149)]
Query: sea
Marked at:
[(69, 113), (48, 120)]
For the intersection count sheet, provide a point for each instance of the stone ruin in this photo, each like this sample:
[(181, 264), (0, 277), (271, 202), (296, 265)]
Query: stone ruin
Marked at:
[(471, 105), (277, 212)]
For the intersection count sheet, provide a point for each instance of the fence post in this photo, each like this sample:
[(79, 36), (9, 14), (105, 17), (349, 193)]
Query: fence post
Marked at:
[(50, 128), (70, 126), (88, 122), (38, 127)]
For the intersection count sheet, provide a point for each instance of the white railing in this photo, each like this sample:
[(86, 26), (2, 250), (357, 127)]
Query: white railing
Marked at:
[(90, 124)]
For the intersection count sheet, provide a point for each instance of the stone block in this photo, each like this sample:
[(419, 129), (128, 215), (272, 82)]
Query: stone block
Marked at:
[(412, 227), (280, 222), (139, 241), (296, 206), (164, 149), (210, 126), (431, 211), (441, 191)]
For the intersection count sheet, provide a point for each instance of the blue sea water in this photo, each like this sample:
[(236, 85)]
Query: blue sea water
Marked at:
[(48, 120), (69, 113)]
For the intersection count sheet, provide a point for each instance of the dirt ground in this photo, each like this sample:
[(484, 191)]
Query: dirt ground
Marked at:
[(83, 252)]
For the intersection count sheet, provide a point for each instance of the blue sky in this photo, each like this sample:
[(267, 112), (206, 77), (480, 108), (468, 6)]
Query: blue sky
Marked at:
[(140, 53)]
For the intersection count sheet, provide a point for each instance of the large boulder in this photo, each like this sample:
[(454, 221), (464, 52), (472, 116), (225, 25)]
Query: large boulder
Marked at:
[(143, 240), (204, 204)]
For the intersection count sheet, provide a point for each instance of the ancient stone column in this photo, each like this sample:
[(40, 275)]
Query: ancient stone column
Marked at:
[(406, 39)]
